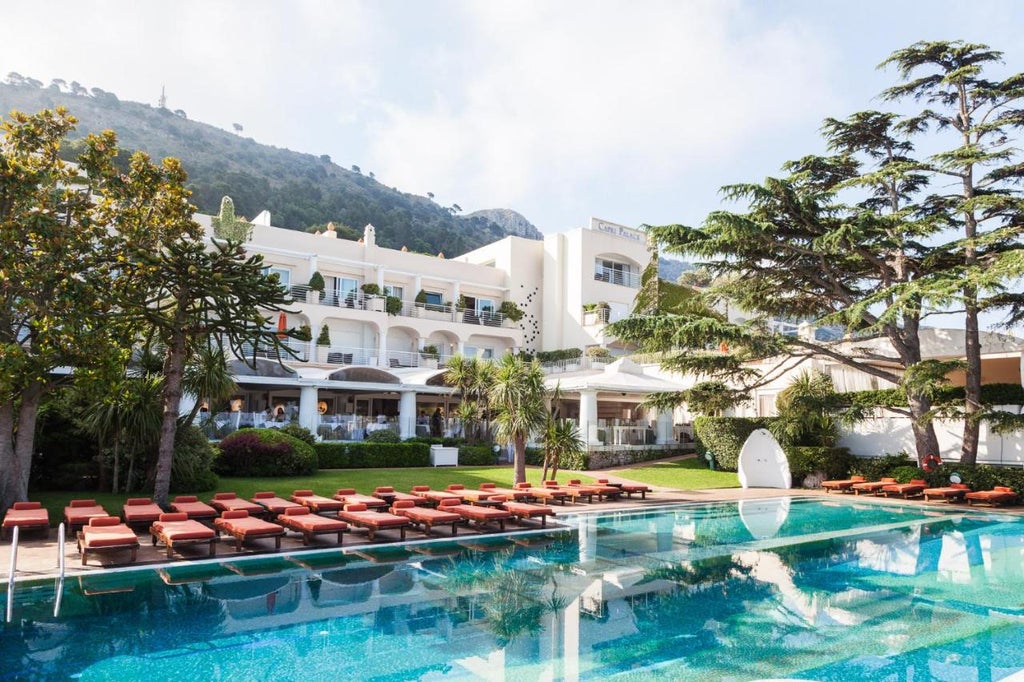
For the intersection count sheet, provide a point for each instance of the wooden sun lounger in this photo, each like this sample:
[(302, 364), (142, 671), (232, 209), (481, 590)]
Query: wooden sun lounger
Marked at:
[(952, 493), (357, 515), (628, 488), (482, 516), (545, 494), (425, 516), (238, 524), (274, 505), (603, 491), (176, 529), (350, 496), (471, 496), (522, 511), (573, 493), (999, 495), (301, 520), (27, 516), (106, 534), (843, 486), (872, 487), (510, 493), (316, 503), (905, 490), (223, 502), (140, 511), (390, 495), (78, 513), (434, 496), (193, 508)]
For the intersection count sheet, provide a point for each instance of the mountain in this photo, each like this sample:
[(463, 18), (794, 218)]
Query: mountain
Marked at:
[(670, 268), (301, 191)]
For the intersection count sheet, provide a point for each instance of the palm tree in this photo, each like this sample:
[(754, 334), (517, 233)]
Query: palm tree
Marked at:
[(207, 376), (471, 377), (561, 437), (516, 397)]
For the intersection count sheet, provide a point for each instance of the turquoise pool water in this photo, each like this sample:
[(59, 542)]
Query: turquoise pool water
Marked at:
[(809, 589)]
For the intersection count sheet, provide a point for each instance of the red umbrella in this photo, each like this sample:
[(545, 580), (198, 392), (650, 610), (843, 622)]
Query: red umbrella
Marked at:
[(282, 326)]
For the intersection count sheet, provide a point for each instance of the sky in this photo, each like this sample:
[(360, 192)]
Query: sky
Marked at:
[(635, 112)]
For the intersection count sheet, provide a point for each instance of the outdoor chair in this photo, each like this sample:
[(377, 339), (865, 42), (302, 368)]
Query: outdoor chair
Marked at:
[(106, 534)]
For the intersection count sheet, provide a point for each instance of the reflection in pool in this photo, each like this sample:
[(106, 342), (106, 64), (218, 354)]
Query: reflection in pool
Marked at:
[(809, 589)]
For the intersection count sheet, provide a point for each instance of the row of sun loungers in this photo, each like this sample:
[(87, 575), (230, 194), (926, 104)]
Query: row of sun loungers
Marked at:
[(955, 492)]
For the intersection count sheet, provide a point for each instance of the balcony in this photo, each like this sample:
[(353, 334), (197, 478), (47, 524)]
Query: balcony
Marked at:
[(625, 278)]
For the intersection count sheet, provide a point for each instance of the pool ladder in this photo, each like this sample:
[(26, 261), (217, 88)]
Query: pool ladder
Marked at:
[(12, 573)]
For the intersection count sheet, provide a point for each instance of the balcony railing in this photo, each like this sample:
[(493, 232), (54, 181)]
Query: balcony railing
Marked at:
[(623, 278), (346, 427), (575, 364)]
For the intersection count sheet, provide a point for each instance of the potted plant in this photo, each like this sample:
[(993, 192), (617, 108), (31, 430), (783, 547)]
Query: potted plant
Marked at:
[(429, 356), (511, 311), (393, 305), (373, 298), (323, 342), (305, 333), (317, 285)]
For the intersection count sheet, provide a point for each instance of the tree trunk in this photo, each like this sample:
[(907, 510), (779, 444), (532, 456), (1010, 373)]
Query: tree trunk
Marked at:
[(972, 389), (174, 366), (519, 464), (926, 441), (8, 467), (17, 441)]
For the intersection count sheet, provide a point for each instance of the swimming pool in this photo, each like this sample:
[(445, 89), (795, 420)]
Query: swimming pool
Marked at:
[(798, 588)]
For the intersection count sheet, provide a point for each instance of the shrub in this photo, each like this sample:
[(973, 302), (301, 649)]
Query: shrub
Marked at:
[(300, 432), (510, 310), (448, 442), (316, 282), (325, 336), (833, 463), (476, 455), (305, 333), (194, 458), (372, 455), (724, 437), (877, 467), (371, 289), (383, 436), (265, 452)]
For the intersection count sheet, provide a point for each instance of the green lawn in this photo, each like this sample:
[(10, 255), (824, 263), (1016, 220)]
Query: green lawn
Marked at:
[(686, 474), (683, 474)]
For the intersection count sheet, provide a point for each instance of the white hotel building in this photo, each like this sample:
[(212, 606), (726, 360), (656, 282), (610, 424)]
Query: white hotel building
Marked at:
[(377, 371)]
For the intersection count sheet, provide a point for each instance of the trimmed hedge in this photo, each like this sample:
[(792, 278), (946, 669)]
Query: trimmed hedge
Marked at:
[(477, 455), (264, 453), (833, 462), (372, 455), (724, 436), (991, 394)]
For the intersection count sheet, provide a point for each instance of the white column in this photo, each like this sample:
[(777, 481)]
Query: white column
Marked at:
[(407, 415), (460, 348), (588, 416), (382, 347), (380, 279), (309, 416), (664, 428)]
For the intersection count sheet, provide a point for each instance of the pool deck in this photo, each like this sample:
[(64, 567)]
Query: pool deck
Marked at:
[(38, 557)]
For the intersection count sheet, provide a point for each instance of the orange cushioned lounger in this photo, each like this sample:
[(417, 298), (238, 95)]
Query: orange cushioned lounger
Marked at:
[(573, 493), (604, 491), (999, 495), (223, 502), (425, 516), (106, 534), (390, 495), (434, 496), (545, 494), (178, 529), (905, 490), (140, 510), (357, 515), (316, 503), (27, 516), (274, 504), (873, 487), (844, 486), (192, 507), (471, 496), (301, 520), (629, 488), (511, 493), (239, 525), (951, 493), (523, 510), (78, 513), (482, 516), (350, 496)]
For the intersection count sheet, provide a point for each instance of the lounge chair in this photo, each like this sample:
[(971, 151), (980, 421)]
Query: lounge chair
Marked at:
[(434, 496), (482, 516), (425, 516), (575, 493), (357, 515), (629, 489), (193, 508), (905, 490), (140, 511), (78, 513), (106, 534), (951, 493), (238, 524), (471, 496), (390, 495), (316, 503), (545, 494), (999, 495), (223, 502), (274, 505), (603, 490), (350, 496), (176, 529), (28, 516), (301, 520), (843, 486), (510, 493), (521, 511), (872, 487)]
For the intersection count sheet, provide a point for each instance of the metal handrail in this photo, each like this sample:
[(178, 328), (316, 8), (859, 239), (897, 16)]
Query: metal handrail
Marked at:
[(59, 586), (10, 579)]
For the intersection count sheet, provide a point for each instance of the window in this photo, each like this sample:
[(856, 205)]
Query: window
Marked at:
[(434, 298), (284, 275), (614, 272), (392, 290), (346, 291)]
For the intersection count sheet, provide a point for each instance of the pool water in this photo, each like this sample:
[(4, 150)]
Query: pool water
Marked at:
[(784, 588)]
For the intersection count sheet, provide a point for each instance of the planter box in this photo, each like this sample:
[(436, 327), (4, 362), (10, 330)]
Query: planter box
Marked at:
[(441, 456)]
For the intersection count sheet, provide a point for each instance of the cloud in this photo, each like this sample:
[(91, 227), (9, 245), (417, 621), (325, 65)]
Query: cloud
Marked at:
[(547, 98)]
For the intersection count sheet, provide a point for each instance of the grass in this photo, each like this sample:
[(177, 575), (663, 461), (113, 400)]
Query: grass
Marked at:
[(685, 474)]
